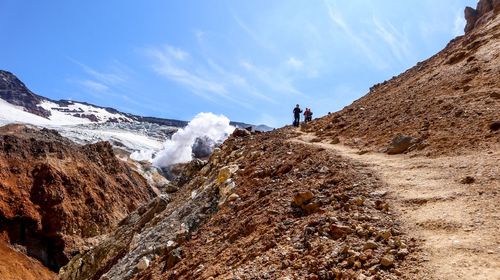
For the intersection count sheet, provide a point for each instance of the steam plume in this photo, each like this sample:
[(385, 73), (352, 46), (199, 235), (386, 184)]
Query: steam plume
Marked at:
[(179, 149)]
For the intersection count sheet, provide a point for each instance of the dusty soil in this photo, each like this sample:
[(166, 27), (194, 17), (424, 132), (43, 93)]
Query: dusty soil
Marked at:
[(451, 204)]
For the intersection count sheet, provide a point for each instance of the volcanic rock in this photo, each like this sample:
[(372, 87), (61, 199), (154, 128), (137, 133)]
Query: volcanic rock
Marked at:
[(339, 231), (370, 245), (494, 126), (143, 263), (387, 260), (400, 143), (302, 198), (467, 180), (238, 132), (57, 195)]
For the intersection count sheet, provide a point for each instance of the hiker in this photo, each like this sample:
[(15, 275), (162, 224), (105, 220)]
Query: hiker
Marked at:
[(296, 115), (309, 115)]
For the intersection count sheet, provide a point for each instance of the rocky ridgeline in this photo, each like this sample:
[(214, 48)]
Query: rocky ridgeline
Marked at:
[(57, 196), (260, 208), (483, 13)]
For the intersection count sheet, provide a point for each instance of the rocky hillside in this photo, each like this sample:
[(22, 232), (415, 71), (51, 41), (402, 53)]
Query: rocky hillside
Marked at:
[(302, 212), (57, 196), (447, 104)]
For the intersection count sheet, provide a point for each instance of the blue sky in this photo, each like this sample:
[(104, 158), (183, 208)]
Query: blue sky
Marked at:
[(249, 60)]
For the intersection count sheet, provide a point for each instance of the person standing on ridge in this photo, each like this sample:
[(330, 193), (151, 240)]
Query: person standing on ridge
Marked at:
[(296, 115), (309, 115)]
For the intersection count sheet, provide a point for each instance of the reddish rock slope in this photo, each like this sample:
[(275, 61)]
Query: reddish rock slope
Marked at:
[(56, 194)]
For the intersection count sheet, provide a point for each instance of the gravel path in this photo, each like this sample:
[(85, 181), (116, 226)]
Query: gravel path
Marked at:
[(458, 223)]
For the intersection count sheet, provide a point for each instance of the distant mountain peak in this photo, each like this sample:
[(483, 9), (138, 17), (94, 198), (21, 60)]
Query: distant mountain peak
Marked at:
[(16, 93)]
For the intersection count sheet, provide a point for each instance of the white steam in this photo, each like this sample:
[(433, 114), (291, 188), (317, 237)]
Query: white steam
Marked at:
[(142, 155), (179, 149)]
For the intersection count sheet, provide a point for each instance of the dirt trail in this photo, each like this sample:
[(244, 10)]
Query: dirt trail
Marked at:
[(457, 223)]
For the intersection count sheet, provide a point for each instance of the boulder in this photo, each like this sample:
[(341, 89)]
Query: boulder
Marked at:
[(302, 198), (400, 143), (173, 258), (370, 245), (238, 132), (387, 260), (467, 180), (494, 126), (226, 172), (335, 140), (143, 263), (233, 197), (339, 231), (169, 188), (305, 201)]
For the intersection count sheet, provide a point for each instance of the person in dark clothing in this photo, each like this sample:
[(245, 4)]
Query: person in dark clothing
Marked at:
[(296, 115)]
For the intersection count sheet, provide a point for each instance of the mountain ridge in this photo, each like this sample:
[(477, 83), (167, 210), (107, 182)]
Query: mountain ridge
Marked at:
[(14, 91)]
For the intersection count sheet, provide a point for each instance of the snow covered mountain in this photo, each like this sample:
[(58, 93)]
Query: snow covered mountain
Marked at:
[(83, 122)]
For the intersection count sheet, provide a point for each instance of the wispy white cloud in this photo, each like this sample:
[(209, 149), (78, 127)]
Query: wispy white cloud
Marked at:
[(397, 42), (362, 44), (238, 82), (176, 53), (203, 76), (294, 63), (267, 45), (106, 78), (94, 86), (116, 82), (274, 80), (165, 65)]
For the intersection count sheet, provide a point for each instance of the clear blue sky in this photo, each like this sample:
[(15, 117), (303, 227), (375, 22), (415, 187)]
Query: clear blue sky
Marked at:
[(249, 60)]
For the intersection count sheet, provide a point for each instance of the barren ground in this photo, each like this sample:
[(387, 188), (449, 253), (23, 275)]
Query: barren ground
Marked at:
[(457, 223)]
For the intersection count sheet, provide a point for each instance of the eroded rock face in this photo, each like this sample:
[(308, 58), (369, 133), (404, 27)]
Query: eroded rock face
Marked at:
[(57, 195), (484, 11)]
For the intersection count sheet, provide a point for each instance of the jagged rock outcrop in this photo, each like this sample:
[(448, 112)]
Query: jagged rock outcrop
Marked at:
[(57, 196), (485, 10), (445, 103), (262, 208)]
